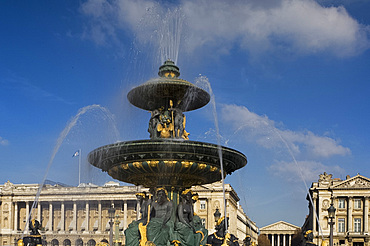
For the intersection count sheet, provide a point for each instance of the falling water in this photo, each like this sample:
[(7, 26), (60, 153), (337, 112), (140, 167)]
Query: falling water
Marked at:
[(203, 82), (290, 152), (59, 142), (302, 177)]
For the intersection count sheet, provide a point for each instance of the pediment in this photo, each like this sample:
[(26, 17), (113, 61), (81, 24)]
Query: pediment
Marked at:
[(280, 226), (357, 181)]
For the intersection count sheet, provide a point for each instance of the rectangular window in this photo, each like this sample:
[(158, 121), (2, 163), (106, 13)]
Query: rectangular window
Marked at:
[(203, 221), (357, 202), (341, 203), (357, 224), (341, 225), (202, 204)]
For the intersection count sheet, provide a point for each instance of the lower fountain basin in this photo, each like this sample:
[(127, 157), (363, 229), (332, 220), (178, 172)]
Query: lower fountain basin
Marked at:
[(162, 162)]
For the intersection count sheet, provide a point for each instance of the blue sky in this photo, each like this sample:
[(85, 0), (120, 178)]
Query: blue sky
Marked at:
[(291, 81)]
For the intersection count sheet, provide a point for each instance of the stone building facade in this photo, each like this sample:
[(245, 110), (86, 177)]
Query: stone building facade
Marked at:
[(350, 197), (280, 233), (79, 215)]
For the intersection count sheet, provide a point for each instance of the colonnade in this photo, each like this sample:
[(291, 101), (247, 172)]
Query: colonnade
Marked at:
[(73, 216), (280, 239)]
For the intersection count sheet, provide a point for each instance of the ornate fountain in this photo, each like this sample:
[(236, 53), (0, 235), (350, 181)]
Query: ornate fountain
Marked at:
[(168, 161)]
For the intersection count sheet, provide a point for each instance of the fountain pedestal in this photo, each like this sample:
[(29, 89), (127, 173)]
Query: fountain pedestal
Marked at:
[(168, 161)]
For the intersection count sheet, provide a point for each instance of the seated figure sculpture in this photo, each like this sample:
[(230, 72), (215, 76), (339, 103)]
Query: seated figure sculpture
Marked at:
[(160, 226), (188, 228), (132, 232), (221, 237)]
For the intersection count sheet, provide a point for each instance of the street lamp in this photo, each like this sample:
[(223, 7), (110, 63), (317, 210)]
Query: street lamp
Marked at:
[(331, 213), (111, 212)]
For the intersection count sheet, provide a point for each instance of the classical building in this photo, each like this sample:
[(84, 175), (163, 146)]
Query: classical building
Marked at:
[(279, 233), (350, 197), (79, 215)]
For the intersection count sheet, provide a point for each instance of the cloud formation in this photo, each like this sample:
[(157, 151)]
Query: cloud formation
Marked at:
[(294, 26), (306, 148), (299, 171), (262, 130), (3, 142)]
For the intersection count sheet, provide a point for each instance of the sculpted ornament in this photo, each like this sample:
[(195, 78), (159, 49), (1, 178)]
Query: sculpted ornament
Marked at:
[(325, 204), (325, 179), (167, 123), (8, 186), (357, 183)]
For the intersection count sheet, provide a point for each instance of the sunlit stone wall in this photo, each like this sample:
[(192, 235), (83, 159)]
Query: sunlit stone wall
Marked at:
[(351, 198), (79, 215)]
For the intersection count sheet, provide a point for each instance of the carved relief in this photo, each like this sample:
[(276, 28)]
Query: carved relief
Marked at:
[(355, 183), (325, 204), (280, 226)]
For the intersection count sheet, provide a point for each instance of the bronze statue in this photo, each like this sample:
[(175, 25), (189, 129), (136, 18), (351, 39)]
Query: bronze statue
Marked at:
[(159, 226), (189, 230), (132, 232), (221, 237)]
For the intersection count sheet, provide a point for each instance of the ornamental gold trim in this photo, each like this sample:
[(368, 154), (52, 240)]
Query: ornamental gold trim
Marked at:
[(152, 163), (137, 164), (202, 166)]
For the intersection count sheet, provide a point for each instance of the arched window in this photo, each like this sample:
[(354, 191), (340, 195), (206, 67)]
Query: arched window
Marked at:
[(79, 242), (67, 242), (54, 242), (91, 242)]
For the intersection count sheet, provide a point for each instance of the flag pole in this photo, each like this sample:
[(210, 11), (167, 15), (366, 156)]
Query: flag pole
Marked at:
[(79, 167)]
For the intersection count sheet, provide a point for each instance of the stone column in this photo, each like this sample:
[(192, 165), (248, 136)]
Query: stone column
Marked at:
[(272, 240), (15, 216), (314, 222), (99, 217), (349, 214), (137, 210), (27, 215), (74, 217), (210, 219), (62, 216), (290, 240), (284, 239), (124, 214), (39, 211), (278, 239), (50, 216), (87, 211), (366, 214)]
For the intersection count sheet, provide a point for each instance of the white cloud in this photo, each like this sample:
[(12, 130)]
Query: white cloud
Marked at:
[(262, 130), (306, 171), (295, 26), (3, 141)]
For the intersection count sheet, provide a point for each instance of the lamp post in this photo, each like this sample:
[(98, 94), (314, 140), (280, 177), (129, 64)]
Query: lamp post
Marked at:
[(117, 234), (111, 212), (331, 213)]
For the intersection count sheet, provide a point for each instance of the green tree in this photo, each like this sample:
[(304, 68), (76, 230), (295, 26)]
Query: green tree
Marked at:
[(263, 240), (297, 239)]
